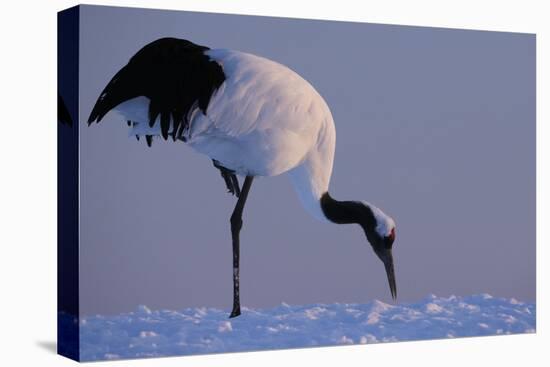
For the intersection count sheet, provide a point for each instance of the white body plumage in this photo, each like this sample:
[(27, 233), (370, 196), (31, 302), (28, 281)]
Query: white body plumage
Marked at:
[(264, 120)]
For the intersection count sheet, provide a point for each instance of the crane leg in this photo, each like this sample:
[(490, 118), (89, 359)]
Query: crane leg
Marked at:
[(236, 225), (231, 181)]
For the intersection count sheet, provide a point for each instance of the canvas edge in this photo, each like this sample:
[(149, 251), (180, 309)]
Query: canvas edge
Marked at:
[(68, 329)]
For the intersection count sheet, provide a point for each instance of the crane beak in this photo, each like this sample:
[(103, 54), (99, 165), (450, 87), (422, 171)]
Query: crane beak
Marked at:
[(387, 258)]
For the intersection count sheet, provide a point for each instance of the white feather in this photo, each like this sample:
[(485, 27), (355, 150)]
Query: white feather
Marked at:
[(384, 222)]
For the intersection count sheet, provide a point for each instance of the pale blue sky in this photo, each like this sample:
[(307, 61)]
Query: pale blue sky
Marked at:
[(435, 126)]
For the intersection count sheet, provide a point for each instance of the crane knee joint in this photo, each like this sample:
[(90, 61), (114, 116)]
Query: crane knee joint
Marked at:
[(236, 222)]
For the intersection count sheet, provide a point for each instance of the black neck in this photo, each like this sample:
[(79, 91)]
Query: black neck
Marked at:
[(346, 212)]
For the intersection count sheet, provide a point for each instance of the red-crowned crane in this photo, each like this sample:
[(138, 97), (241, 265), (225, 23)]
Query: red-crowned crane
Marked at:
[(252, 117)]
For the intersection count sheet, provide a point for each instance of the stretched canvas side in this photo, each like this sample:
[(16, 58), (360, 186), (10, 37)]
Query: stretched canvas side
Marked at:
[(67, 184)]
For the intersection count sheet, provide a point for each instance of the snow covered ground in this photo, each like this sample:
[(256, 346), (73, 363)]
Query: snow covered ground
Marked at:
[(147, 333)]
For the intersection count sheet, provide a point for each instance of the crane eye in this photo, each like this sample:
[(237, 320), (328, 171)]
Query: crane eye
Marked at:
[(389, 240)]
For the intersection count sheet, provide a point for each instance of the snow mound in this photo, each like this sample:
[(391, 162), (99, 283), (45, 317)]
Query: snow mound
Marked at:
[(155, 333)]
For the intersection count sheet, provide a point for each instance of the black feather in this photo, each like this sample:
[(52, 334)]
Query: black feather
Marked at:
[(174, 74), (164, 125), (63, 115)]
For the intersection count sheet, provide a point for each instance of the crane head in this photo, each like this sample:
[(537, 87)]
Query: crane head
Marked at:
[(381, 236)]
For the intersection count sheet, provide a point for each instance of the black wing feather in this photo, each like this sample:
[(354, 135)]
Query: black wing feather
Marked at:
[(174, 74), (63, 114)]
